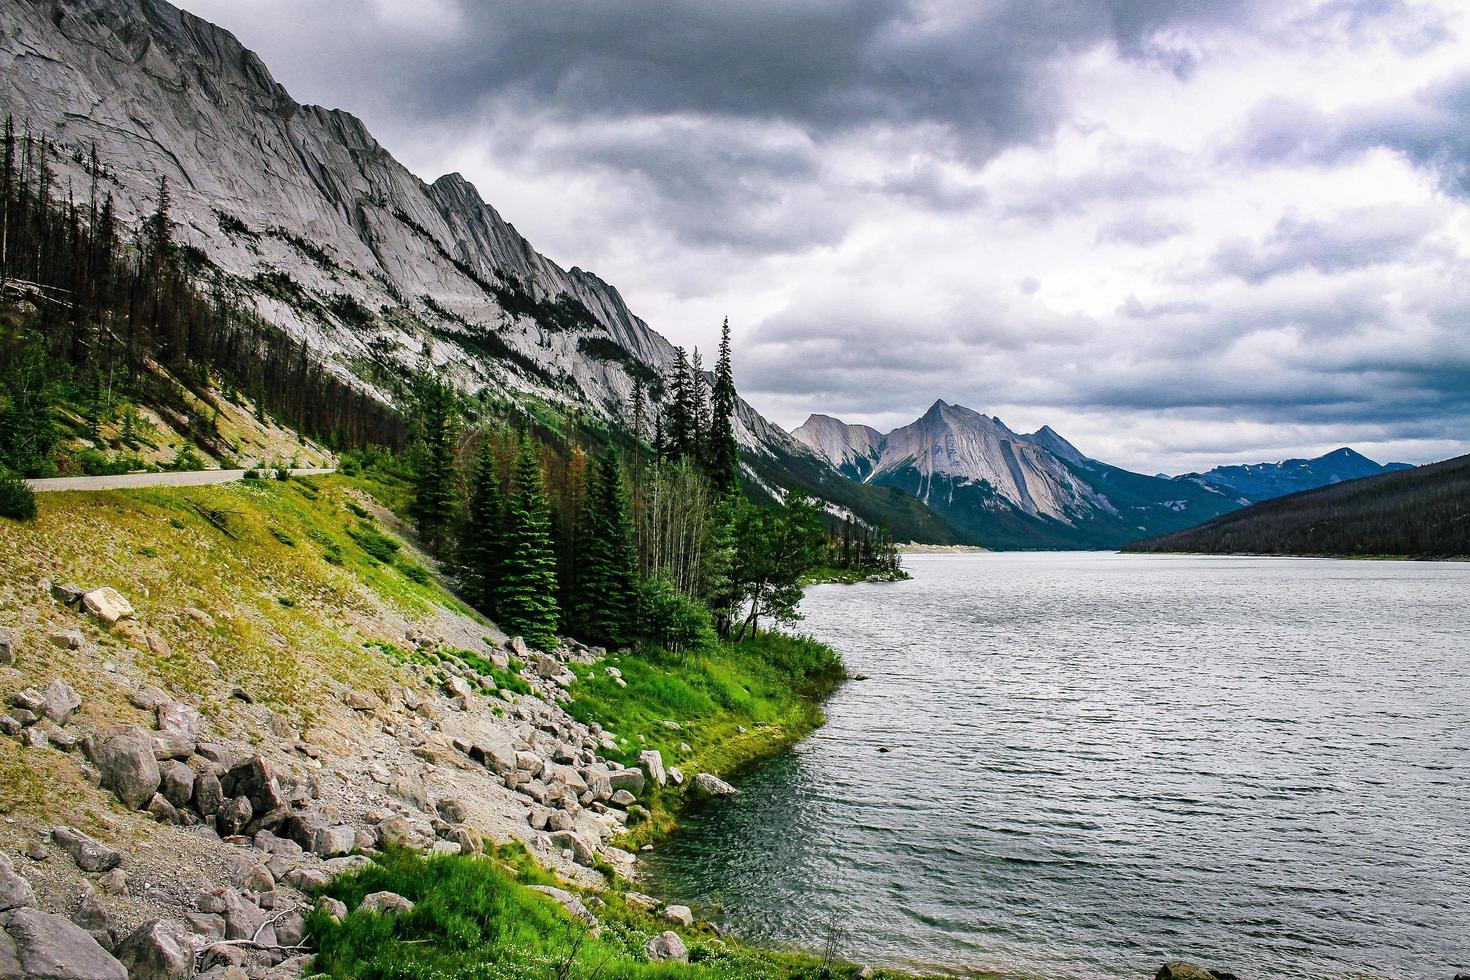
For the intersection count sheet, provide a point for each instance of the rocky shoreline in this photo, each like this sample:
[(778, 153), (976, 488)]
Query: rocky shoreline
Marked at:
[(215, 834)]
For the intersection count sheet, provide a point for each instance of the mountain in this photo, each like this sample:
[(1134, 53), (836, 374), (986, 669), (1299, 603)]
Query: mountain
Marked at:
[(1003, 489), (1262, 481), (1421, 512), (298, 212)]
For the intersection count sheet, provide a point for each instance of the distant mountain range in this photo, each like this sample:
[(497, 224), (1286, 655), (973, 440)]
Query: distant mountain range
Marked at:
[(1262, 481), (1005, 489), (1421, 512)]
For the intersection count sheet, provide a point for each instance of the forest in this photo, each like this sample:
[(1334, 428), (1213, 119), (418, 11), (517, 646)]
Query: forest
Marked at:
[(1419, 513), (641, 530)]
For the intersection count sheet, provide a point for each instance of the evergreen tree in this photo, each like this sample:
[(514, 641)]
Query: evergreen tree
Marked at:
[(606, 597), (525, 595), (435, 412), (699, 410), (480, 541), (679, 422), (724, 451)]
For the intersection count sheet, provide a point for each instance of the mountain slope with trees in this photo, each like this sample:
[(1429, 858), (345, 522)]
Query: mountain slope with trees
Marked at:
[(1422, 512), (1262, 481)]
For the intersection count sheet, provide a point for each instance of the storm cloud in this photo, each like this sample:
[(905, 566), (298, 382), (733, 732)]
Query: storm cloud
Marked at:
[(1181, 233)]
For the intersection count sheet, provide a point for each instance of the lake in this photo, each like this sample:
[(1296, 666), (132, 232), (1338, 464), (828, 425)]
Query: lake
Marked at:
[(1081, 765)]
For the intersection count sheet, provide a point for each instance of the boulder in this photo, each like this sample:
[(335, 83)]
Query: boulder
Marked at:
[(622, 798), (255, 780), (307, 879), (176, 783), (452, 810), (333, 841), (638, 900), (172, 745), (61, 702), (158, 950), (68, 594), (385, 903), (631, 780), (517, 647), (66, 639), (147, 697), (180, 718), (31, 701), (676, 776), (15, 891), (583, 851), (162, 810), (707, 784), (568, 901), (209, 796), (48, 946), (90, 855), (360, 700), (128, 766), (207, 925), (652, 762), (458, 687), (680, 915), (115, 882), (95, 917), (107, 604), (233, 816), (666, 947), (7, 646)]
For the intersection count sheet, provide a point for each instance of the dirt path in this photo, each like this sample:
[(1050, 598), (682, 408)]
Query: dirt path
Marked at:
[(127, 481)]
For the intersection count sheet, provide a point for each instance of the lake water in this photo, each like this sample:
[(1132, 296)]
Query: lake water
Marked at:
[(1099, 762)]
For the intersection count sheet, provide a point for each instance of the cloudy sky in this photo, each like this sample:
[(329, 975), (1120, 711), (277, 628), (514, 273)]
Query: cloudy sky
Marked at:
[(1180, 232)]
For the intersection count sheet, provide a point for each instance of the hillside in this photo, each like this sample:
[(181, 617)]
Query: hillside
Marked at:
[(1417, 513), (1003, 489)]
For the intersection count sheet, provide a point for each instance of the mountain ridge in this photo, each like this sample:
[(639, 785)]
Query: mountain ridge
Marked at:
[(1264, 481)]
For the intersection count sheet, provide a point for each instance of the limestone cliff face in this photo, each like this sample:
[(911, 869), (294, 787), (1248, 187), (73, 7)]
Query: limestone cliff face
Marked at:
[(304, 215)]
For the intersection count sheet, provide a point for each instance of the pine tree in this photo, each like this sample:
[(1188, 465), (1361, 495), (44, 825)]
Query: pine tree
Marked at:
[(480, 540), (525, 596), (433, 459), (680, 431), (605, 601), (699, 409), (724, 451)]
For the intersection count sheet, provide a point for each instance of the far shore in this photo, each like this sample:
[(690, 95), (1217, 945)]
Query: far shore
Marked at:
[(940, 549)]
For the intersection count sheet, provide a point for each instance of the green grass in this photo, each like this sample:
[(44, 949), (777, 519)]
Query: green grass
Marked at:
[(734, 704), (831, 574), (475, 917)]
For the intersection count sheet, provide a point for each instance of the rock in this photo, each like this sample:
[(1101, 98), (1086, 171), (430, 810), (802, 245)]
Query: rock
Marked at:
[(172, 745), (147, 697), (66, 639), (7, 646), (15, 891), (334, 909), (452, 810), (199, 616), (95, 917), (631, 780), (30, 700), (307, 879), (90, 855), (158, 950), (108, 605), (290, 928), (517, 647), (458, 687), (360, 700), (676, 775), (652, 762), (61, 702), (622, 798), (63, 740), (35, 738), (333, 841), (255, 779), (248, 873), (128, 766), (180, 718), (208, 925), (162, 810), (679, 915), (707, 784), (10, 725), (115, 882), (666, 947), (1183, 971), (48, 946), (24, 717), (176, 783), (385, 903), (582, 850), (209, 796), (232, 817), (638, 900), (67, 594), (410, 789)]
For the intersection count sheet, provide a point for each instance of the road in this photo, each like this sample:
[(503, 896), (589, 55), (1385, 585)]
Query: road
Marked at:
[(127, 481)]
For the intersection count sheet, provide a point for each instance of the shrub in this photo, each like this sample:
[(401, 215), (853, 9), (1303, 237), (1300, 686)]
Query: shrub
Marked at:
[(378, 547), (17, 499), (671, 619)]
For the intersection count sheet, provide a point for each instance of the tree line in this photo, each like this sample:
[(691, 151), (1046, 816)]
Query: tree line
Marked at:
[(97, 314)]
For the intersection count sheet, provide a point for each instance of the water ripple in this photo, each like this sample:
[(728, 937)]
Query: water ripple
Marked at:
[(1097, 762)]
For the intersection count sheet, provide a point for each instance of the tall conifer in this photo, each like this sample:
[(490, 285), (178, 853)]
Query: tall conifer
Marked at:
[(605, 600), (724, 452), (525, 598), (481, 540)]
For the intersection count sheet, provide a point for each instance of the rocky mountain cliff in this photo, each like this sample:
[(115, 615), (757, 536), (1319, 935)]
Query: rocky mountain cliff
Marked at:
[(299, 212), (1004, 489), (1263, 481)]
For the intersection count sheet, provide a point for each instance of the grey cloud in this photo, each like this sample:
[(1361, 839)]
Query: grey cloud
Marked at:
[(1352, 240), (1141, 229)]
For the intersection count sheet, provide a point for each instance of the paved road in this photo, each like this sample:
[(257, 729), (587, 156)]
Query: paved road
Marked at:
[(197, 478)]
